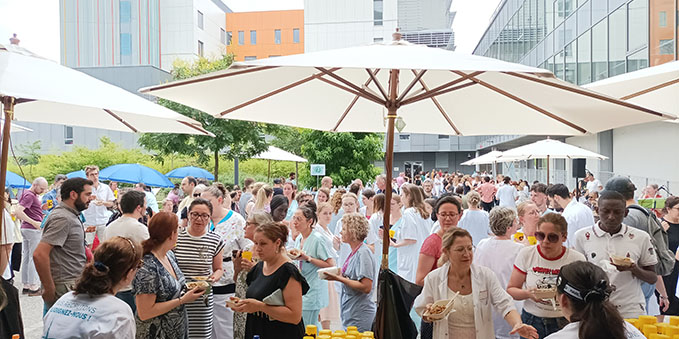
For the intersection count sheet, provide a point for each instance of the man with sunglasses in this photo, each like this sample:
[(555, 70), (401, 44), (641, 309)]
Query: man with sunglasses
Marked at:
[(609, 239)]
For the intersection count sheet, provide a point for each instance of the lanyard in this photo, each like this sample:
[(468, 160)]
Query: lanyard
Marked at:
[(346, 263), (228, 215)]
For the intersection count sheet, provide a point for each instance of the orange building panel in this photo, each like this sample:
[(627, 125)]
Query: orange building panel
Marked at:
[(276, 33)]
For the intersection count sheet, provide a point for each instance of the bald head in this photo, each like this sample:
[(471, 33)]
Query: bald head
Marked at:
[(39, 185)]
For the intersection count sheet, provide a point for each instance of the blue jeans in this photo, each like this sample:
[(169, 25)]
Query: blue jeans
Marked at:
[(648, 290), (544, 326), (128, 298)]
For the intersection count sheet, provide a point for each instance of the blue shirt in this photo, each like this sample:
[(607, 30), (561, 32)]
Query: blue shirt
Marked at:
[(357, 307), (316, 247), (51, 195), (151, 201)]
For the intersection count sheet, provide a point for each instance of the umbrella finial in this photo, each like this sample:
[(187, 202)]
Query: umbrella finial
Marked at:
[(397, 35)]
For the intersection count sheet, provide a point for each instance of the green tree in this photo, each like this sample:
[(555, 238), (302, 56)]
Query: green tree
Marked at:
[(29, 155), (233, 138), (288, 138), (346, 156)]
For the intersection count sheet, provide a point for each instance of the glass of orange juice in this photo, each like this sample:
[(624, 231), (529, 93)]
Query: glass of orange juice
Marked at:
[(247, 255)]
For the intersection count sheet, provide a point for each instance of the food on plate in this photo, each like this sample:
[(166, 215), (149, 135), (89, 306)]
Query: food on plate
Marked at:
[(200, 285), (437, 309), (232, 302), (621, 261), (294, 253), (200, 278)]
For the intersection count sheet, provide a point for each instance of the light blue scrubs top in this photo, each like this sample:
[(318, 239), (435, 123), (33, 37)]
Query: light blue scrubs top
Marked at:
[(315, 246), (357, 308)]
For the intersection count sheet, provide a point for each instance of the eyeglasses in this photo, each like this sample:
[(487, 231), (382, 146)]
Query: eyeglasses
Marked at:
[(551, 237), (196, 195), (448, 215), (195, 215)]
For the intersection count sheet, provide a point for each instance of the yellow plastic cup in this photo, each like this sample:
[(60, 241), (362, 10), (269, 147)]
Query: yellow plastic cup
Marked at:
[(674, 320), (248, 255), (392, 234), (671, 330), (647, 330), (532, 240), (323, 336), (308, 337), (325, 332), (661, 327), (659, 336), (349, 336), (518, 236), (369, 334), (353, 328), (311, 330)]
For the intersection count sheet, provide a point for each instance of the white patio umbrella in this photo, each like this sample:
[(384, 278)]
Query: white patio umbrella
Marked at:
[(549, 149), (655, 87), (275, 153), (492, 157), (39, 90), (15, 128), (417, 88)]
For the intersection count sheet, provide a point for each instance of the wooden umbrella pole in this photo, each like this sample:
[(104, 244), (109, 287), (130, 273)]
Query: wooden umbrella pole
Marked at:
[(8, 108), (389, 163), (268, 176)]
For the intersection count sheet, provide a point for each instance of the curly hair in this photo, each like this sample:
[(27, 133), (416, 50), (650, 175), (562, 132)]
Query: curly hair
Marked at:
[(356, 224), (336, 200)]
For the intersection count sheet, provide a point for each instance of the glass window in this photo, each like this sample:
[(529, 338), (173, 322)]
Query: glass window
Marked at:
[(200, 19), (540, 19), (200, 48), (404, 136), (549, 15), (584, 17), (617, 43), (277, 36), (558, 65), (666, 47), (229, 36), (295, 35), (637, 60), (662, 19), (584, 58), (569, 29), (559, 13), (599, 10), (637, 24), (253, 37), (568, 7), (222, 35), (125, 12), (614, 4), (378, 39), (600, 51), (549, 46), (443, 136), (559, 40), (68, 135), (250, 58), (570, 64), (125, 44), (241, 37), (377, 12)]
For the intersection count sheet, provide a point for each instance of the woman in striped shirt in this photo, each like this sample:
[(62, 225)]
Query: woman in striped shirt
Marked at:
[(199, 256)]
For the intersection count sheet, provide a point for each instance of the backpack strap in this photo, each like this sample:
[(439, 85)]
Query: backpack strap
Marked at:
[(639, 208)]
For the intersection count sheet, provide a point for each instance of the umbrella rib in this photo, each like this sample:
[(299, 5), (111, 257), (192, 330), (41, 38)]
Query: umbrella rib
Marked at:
[(194, 127), (418, 76), (438, 105), (274, 92), (526, 103), (121, 120), (650, 89), (207, 78), (377, 83), (351, 85), (353, 102), (360, 94), (591, 95), (436, 90)]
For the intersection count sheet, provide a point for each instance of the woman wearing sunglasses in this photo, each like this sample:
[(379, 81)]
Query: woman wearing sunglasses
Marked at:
[(537, 267), (582, 290)]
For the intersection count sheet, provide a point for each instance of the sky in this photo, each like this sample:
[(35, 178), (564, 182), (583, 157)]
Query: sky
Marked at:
[(36, 22)]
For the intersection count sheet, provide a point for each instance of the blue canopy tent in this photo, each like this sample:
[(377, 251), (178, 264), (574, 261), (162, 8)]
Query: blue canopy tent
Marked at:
[(190, 171), (16, 181), (77, 174), (135, 173)]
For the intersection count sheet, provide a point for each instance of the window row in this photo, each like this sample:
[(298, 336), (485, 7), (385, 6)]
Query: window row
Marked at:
[(253, 37)]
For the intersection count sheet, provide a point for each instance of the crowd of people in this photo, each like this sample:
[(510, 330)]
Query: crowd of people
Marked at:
[(514, 259)]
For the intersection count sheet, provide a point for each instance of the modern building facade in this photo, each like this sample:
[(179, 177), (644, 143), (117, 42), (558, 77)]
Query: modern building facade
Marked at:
[(106, 33), (583, 41), (258, 35)]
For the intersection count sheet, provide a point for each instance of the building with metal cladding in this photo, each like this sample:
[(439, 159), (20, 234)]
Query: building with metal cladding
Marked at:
[(131, 44), (583, 41)]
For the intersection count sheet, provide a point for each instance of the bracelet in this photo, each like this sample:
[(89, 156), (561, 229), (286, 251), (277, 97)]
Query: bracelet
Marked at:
[(663, 297), (180, 300)]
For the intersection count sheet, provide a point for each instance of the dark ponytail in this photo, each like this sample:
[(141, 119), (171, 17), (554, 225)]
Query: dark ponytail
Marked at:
[(587, 288), (113, 259)]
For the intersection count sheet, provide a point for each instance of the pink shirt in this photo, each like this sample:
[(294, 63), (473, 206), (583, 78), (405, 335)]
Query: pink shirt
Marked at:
[(32, 208), (432, 247), (487, 191)]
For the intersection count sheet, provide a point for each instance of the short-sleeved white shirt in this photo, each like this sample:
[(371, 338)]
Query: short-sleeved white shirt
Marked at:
[(578, 216), (97, 215), (570, 331), (598, 245), (541, 273)]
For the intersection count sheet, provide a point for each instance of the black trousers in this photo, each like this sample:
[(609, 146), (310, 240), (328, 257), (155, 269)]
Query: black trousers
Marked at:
[(10, 315), (671, 287), (487, 206)]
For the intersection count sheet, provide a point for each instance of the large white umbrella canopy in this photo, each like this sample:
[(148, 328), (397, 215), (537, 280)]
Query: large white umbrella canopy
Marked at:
[(439, 92), (655, 87), (488, 158), (39, 90), (15, 128), (275, 153), (549, 148), (51, 93), (415, 88)]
